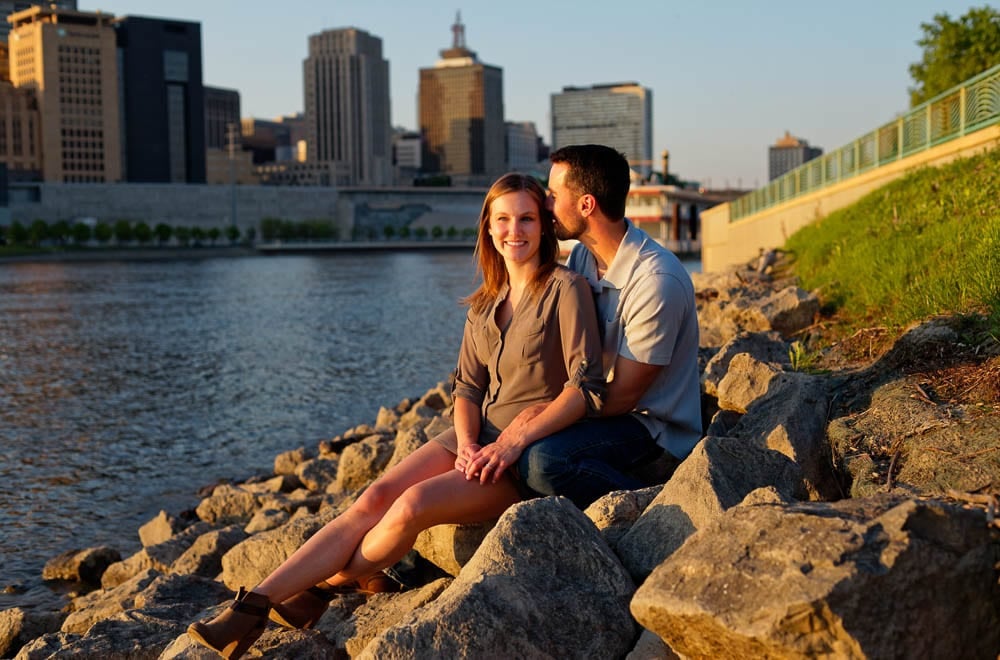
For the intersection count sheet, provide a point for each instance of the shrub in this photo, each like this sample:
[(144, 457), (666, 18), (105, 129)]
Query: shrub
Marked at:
[(404, 232), (81, 233), (420, 233), (452, 232), (213, 235), (183, 235), (197, 235), (123, 231), (103, 232), (232, 234), (18, 234), (60, 232), (389, 231), (437, 232), (38, 232)]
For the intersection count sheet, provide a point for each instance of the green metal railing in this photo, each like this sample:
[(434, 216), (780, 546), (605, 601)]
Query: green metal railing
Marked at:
[(962, 109)]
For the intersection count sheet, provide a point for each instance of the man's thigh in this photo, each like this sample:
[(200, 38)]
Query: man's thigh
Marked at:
[(620, 441)]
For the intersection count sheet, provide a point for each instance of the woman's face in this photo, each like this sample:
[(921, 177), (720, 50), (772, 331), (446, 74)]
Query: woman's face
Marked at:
[(515, 224)]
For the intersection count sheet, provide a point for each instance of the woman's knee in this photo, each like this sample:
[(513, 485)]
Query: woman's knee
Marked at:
[(376, 499)]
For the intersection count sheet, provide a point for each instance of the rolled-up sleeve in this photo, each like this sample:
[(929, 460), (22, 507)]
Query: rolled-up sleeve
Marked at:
[(471, 376), (581, 344)]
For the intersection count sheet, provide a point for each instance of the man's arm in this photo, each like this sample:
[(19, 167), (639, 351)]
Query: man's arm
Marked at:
[(631, 381)]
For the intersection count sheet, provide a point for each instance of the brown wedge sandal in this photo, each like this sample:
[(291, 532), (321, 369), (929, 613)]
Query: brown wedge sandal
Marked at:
[(234, 631)]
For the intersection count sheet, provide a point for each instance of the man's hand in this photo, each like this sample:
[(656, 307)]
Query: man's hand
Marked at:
[(490, 462), (514, 434)]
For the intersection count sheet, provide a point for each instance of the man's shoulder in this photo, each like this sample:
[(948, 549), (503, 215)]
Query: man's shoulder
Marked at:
[(653, 260)]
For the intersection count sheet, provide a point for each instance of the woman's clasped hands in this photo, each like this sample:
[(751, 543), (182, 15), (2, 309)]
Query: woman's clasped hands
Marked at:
[(485, 463)]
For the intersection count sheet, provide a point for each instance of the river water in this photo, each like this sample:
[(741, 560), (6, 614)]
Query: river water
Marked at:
[(127, 386)]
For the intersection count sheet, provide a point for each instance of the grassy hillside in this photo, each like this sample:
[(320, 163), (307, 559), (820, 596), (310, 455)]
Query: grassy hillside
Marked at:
[(923, 245)]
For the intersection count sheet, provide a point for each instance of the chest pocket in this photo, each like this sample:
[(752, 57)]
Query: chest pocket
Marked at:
[(534, 341)]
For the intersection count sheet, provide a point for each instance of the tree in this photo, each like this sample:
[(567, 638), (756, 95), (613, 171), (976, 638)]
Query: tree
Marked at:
[(389, 231), (18, 233), (38, 232), (197, 235), (143, 233), (183, 235), (81, 233), (955, 51), (123, 232), (213, 235), (163, 232), (103, 232), (60, 232), (232, 234)]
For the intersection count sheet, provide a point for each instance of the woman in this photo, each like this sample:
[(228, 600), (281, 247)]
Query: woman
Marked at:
[(530, 337)]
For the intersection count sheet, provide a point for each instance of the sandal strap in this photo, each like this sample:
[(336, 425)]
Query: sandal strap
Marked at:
[(241, 605)]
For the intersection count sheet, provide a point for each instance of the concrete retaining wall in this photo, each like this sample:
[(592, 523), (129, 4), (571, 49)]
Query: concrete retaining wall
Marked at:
[(726, 243)]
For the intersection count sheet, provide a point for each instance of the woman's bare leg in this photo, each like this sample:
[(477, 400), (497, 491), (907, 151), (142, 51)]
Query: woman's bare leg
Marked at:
[(329, 550), (446, 498)]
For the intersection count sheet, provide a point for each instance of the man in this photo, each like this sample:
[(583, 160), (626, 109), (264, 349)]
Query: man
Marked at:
[(646, 312)]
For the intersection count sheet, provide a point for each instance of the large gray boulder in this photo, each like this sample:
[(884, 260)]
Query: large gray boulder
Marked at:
[(362, 462), (747, 380), (791, 418), (875, 578), (228, 505), (615, 513), (543, 584), (250, 561), (104, 603), (718, 475), (204, 557), (317, 473), (159, 528)]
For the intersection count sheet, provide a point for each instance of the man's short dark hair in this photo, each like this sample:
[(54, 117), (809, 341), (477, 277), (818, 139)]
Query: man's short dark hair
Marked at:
[(597, 170)]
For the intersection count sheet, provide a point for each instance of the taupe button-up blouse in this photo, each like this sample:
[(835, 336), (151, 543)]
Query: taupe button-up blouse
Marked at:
[(552, 342)]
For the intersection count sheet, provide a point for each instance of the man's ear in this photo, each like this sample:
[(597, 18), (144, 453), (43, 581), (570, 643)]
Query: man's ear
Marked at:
[(586, 205)]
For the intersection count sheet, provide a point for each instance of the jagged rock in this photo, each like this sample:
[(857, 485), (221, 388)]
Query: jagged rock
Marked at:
[(524, 593), (386, 419), (437, 398), (204, 557), (135, 634), (228, 505), (767, 347), (791, 419), (406, 443), (282, 483), (81, 565), (249, 562), (46, 646), (318, 473), (723, 423), (354, 631), (873, 578), (651, 647), (747, 380), (419, 415), (286, 462), (362, 462), (790, 310), (19, 626), (615, 513), (159, 557), (159, 529), (296, 645), (266, 519), (439, 424), (718, 474), (99, 605), (450, 547)]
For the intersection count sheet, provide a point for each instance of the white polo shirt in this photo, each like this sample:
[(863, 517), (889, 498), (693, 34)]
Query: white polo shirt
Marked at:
[(646, 312)]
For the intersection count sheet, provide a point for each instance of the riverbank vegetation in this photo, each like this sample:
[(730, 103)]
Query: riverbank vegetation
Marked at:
[(925, 245), (42, 237)]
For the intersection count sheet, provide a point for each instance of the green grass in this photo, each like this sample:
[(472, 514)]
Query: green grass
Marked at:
[(924, 245)]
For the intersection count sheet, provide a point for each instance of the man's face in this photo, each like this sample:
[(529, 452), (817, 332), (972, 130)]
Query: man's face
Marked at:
[(562, 201)]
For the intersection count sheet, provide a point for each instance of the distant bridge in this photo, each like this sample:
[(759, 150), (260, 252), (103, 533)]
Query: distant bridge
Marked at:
[(958, 123)]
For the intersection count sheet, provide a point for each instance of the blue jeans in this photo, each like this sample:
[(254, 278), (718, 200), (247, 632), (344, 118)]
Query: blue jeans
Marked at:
[(588, 459)]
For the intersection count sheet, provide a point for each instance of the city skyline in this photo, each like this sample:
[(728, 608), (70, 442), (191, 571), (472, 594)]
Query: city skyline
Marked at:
[(728, 78)]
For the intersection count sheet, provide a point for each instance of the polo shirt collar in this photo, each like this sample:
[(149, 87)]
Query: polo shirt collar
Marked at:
[(626, 257)]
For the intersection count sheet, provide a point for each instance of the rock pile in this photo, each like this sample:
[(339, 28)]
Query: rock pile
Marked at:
[(807, 522)]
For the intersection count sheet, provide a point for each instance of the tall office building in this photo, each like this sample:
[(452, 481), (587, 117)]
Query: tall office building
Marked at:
[(163, 100), (7, 8), (347, 106), (222, 116), (461, 113), (70, 60), (619, 115), (522, 146), (20, 133), (788, 153)]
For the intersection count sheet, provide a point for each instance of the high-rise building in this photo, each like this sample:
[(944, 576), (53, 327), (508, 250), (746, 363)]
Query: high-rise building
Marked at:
[(788, 153), (70, 60), (20, 133), (162, 100), (222, 116), (7, 8), (461, 113), (619, 115), (347, 106), (295, 150), (522, 146)]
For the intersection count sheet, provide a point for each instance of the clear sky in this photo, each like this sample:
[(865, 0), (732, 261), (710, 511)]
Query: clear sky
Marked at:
[(728, 76)]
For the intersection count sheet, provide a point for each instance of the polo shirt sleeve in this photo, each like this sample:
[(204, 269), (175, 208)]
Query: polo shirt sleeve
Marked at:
[(652, 317), (581, 343), (471, 376)]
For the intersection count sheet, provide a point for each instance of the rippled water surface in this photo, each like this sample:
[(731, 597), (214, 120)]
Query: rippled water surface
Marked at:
[(124, 387)]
